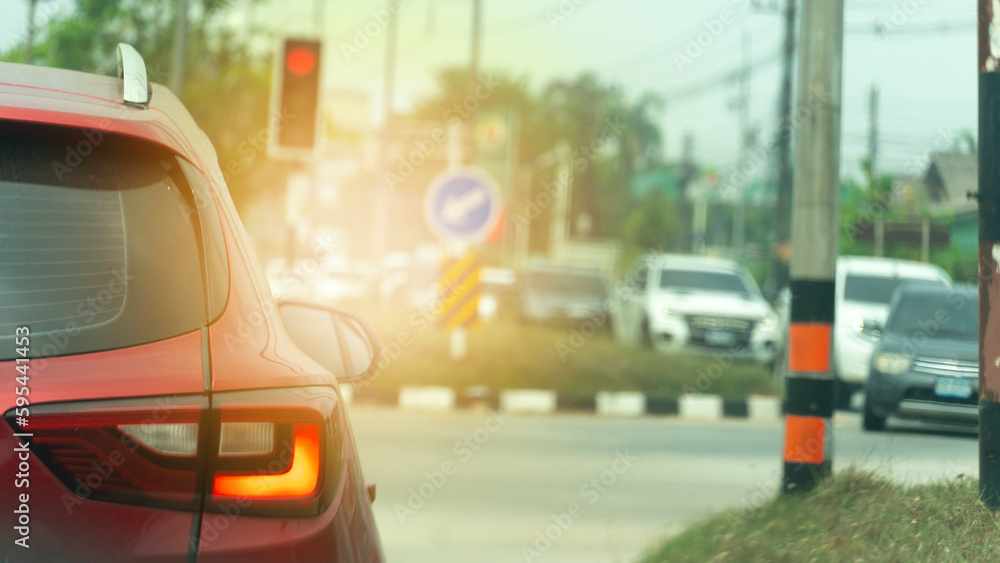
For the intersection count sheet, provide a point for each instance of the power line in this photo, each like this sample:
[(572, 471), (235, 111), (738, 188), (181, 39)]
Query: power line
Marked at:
[(881, 29), (729, 76)]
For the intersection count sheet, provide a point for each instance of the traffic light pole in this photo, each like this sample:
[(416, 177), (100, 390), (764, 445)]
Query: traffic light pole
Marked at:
[(989, 281), (381, 207), (811, 386)]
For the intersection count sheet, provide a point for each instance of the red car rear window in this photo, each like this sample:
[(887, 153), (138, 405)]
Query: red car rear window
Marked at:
[(102, 242)]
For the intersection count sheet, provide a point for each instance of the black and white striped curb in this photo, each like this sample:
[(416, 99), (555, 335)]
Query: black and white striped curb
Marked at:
[(605, 403)]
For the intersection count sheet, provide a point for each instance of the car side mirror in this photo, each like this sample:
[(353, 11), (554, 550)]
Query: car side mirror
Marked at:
[(871, 328), (340, 341)]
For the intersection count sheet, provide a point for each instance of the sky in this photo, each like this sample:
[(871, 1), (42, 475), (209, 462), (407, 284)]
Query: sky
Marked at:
[(923, 63)]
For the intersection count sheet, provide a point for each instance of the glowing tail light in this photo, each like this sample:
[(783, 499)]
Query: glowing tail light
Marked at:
[(300, 479), (279, 449)]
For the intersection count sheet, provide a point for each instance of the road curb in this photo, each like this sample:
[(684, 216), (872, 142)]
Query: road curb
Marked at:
[(427, 398), (612, 404), (701, 407), (528, 401)]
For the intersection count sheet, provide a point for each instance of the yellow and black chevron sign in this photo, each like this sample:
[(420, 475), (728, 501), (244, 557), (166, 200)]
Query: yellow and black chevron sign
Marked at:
[(458, 292)]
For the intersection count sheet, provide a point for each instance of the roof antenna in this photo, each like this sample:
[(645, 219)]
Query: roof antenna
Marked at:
[(132, 71)]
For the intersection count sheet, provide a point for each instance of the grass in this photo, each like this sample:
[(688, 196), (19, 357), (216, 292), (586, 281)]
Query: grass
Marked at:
[(854, 516), (575, 361)]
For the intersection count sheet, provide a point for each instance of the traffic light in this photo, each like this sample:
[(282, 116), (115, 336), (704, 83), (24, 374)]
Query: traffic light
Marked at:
[(298, 95)]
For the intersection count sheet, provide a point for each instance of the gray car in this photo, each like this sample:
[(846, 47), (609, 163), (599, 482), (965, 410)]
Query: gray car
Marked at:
[(552, 294), (925, 365)]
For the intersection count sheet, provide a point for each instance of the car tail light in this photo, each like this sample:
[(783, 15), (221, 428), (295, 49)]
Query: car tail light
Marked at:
[(274, 453), (298, 477), (168, 439), (143, 452)]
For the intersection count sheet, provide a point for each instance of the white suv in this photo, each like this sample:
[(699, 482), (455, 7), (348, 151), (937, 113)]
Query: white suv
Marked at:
[(673, 302), (864, 287)]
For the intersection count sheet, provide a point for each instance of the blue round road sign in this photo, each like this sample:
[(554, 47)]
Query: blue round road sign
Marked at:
[(462, 205)]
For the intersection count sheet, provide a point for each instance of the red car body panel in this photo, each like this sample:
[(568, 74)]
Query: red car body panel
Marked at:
[(168, 367), (249, 349)]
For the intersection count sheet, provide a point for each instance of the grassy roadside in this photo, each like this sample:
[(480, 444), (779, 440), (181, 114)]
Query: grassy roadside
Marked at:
[(577, 360), (855, 516)]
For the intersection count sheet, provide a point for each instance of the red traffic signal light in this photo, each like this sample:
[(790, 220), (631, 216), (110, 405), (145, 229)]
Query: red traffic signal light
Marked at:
[(298, 94), (300, 62)]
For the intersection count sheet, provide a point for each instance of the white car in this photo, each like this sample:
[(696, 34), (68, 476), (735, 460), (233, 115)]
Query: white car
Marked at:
[(864, 287), (675, 302)]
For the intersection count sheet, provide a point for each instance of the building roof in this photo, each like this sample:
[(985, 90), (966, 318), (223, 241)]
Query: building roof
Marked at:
[(951, 176)]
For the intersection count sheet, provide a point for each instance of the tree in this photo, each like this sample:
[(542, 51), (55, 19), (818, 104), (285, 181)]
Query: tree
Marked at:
[(653, 226), (227, 85), (612, 139)]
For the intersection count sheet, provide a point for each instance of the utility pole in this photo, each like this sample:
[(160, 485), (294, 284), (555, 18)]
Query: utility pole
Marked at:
[(559, 220), (178, 55), (474, 55), (783, 205), (810, 390), (739, 212), (697, 237), (29, 45), (700, 225), (989, 280), (873, 181), (382, 188), (873, 135)]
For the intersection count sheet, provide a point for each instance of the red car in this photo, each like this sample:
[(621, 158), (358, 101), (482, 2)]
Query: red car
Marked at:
[(161, 406)]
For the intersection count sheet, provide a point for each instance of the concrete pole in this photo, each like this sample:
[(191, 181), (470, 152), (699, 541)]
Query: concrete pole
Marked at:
[(559, 220), (925, 240), (873, 135), (739, 211), (29, 45), (522, 222), (879, 237), (811, 386), (178, 56), (700, 225), (989, 252)]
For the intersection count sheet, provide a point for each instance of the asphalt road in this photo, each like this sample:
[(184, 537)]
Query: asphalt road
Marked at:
[(471, 486)]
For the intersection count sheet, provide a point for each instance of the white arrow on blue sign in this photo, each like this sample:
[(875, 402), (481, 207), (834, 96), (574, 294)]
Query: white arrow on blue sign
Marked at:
[(462, 205)]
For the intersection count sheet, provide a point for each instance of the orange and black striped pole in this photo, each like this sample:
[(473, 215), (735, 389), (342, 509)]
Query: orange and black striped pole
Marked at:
[(989, 238), (810, 390)]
